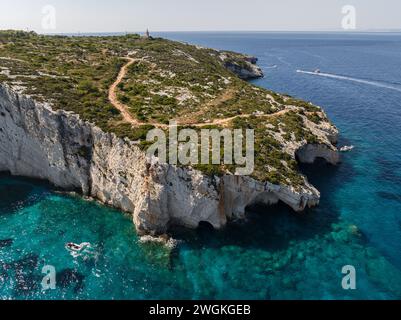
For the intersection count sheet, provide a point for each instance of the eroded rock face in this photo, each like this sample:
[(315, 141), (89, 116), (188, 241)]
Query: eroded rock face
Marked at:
[(240, 192), (57, 146), (248, 71), (310, 152), (243, 66)]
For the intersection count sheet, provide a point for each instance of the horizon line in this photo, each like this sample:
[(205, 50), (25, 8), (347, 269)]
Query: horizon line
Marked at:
[(226, 31), (211, 31)]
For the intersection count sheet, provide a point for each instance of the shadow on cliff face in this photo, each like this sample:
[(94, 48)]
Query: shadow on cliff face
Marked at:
[(274, 227), (20, 192), (269, 228)]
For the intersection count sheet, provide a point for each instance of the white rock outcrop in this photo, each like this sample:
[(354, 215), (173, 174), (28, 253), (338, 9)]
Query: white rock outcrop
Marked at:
[(244, 66), (38, 142)]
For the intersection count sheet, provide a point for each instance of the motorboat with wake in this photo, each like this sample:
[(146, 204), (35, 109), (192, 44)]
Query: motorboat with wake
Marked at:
[(70, 246), (316, 72), (346, 148), (76, 250)]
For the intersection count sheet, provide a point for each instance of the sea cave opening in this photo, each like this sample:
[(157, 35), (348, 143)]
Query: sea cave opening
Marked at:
[(205, 226)]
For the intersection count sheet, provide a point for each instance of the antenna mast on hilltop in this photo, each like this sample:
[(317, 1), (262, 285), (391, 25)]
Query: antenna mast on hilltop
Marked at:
[(147, 34)]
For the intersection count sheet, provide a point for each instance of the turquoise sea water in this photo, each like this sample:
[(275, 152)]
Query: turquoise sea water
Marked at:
[(276, 254)]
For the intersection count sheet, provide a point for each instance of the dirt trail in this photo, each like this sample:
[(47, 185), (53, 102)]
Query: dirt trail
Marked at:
[(127, 117), (227, 120), (113, 94)]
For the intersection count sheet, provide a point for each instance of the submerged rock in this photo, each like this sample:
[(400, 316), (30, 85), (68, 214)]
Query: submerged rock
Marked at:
[(69, 277), (167, 241), (6, 243)]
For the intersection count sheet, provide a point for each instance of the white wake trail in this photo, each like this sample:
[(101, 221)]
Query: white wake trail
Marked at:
[(334, 76), (269, 66)]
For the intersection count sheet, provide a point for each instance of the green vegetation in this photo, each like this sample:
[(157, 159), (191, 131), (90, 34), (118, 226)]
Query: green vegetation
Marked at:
[(172, 80), (73, 73), (125, 130), (271, 162)]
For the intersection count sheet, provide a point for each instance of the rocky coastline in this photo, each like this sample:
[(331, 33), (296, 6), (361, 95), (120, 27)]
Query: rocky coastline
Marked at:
[(39, 142)]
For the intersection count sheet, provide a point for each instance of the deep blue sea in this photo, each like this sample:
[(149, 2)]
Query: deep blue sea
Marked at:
[(276, 254)]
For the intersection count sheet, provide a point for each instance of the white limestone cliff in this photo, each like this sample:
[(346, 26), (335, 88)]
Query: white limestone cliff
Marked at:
[(244, 66), (38, 142)]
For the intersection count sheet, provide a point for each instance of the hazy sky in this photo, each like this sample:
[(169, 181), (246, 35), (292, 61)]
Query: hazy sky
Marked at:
[(190, 15)]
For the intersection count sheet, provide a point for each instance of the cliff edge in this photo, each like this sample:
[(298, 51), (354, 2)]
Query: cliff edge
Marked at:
[(38, 142)]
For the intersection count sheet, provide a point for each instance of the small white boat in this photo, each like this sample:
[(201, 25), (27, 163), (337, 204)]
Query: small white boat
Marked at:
[(346, 148), (83, 250), (73, 247), (80, 250), (317, 71)]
